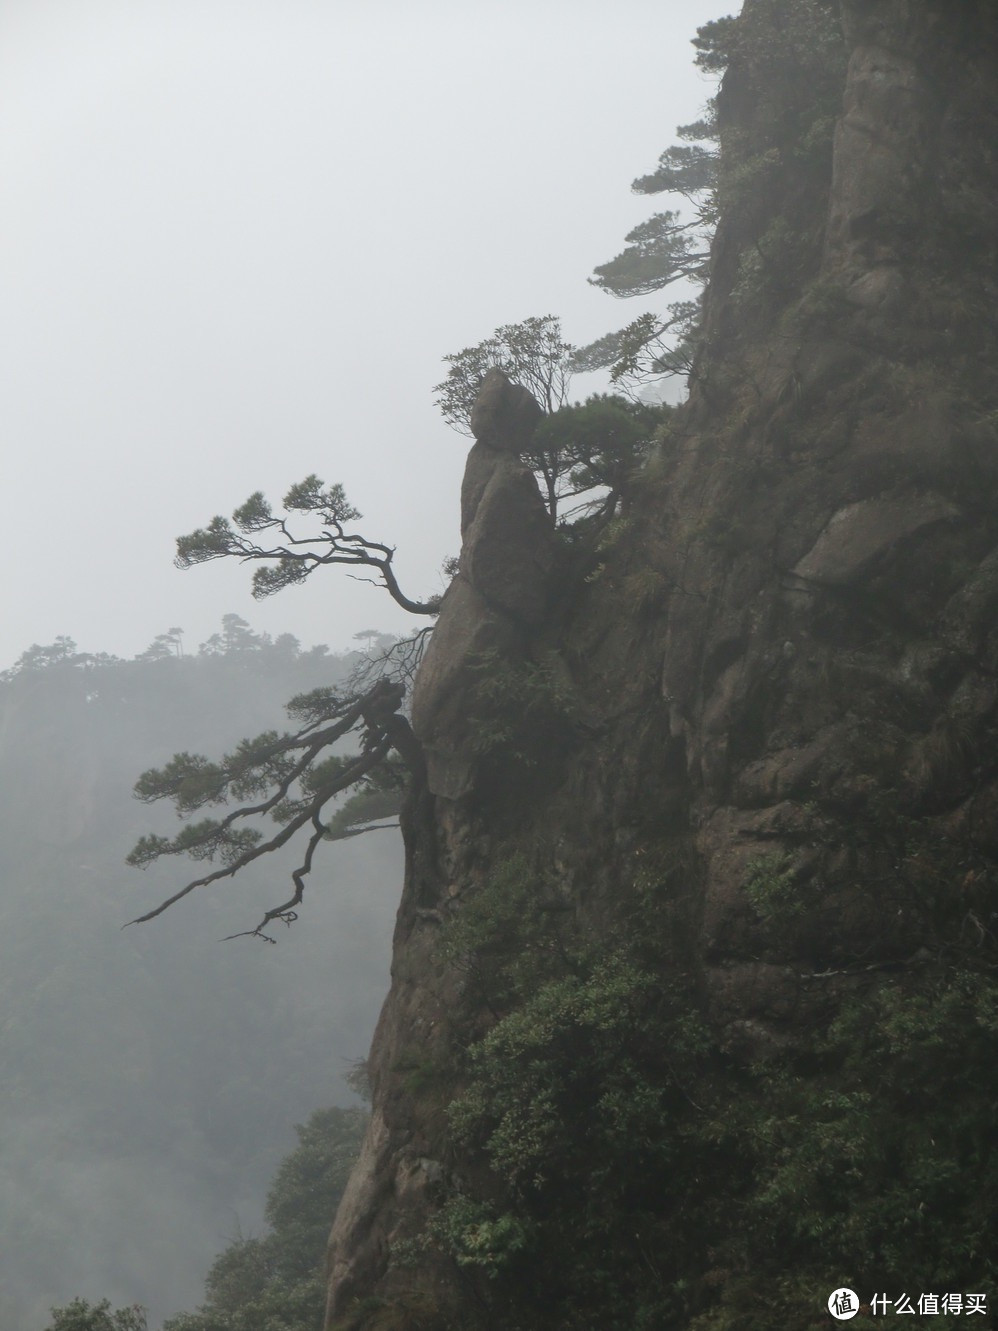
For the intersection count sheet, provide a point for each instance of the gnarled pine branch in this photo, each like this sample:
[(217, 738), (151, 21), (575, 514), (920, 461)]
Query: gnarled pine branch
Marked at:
[(297, 777), (292, 558)]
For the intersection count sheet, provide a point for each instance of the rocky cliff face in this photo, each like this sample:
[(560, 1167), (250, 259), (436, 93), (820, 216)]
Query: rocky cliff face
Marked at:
[(767, 702)]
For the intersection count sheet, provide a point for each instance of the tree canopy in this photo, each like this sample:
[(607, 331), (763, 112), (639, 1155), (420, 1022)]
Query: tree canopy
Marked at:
[(293, 778), (83, 1316), (576, 448), (670, 247), (596, 448), (532, 353)]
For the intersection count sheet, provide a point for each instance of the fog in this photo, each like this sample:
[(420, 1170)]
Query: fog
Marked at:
[(151, 1076), (237, 241)]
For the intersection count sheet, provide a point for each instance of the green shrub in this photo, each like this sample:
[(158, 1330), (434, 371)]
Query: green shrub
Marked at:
[(770, 888), (519, 709)]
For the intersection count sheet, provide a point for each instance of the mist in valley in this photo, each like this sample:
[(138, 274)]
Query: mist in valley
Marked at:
[(152, 1074)]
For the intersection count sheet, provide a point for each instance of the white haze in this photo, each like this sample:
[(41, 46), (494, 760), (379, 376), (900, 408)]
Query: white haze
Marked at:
[(238, 238)]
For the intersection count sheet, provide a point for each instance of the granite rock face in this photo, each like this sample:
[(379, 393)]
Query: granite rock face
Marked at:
[(821, 551), (505, 414), (503, 584), (501, 589)]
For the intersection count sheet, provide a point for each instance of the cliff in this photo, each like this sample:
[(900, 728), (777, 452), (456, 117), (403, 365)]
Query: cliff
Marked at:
[(692, 1017)]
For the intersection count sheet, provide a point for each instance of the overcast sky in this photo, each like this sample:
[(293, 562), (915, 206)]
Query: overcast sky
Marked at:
[(239, 237)]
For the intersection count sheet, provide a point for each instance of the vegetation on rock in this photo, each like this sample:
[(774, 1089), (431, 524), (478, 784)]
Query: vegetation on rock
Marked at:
[(576, 449)]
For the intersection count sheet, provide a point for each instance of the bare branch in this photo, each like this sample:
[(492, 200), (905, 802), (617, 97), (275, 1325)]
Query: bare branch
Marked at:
[(397, 663)]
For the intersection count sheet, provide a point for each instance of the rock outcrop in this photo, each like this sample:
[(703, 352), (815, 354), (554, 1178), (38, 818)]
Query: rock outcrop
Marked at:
[(502, 587)]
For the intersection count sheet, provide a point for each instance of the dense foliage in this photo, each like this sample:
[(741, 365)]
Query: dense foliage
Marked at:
[(600, 446), (640, 1175)]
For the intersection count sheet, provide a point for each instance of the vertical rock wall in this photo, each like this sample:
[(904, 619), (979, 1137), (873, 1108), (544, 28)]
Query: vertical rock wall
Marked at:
[(799, 620)]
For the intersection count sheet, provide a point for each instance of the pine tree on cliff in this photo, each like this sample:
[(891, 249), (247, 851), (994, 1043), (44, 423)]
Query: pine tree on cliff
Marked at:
[(793, 48), (574, 451), (293, 778)]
